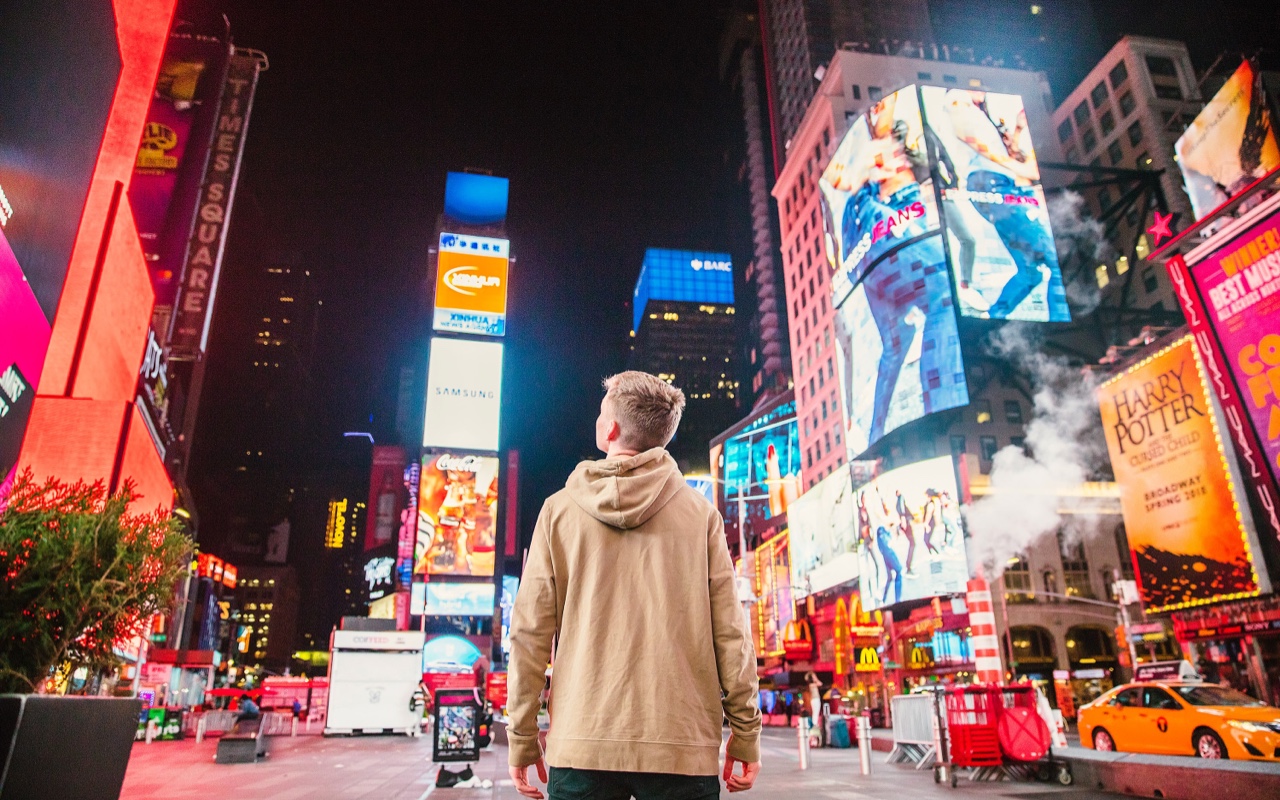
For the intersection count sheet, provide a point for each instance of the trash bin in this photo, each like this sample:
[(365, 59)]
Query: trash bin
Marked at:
[(839, 732)]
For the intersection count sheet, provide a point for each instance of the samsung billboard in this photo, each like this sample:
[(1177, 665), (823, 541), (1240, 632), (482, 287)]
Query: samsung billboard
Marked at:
[(464, 395)]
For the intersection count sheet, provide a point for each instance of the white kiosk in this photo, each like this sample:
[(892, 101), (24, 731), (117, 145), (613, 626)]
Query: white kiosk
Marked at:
[(372, 678)]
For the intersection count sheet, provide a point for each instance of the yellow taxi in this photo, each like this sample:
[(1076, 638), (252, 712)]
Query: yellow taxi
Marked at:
[(1181, 717)]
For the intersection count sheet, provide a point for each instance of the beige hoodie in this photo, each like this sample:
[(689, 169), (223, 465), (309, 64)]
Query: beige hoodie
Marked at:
[(630, 570)]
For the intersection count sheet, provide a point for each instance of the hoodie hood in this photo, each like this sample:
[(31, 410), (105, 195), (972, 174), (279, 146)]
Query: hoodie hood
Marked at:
[(626, 492)]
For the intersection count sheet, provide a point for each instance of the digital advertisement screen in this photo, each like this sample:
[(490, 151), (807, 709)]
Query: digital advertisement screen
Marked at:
[(762, 469), (386, 496), (877, 190), (1230, 144), (823, 538), (464, 395), (457, 515), (510, 586), (446, 652), (379, 576), (475, 199), (898, 346), (1240, 288), (458, 599), (24, 337), (471, 285), (909, 537), (1190, 542), (682, 275), (997, 220), (775, 607)]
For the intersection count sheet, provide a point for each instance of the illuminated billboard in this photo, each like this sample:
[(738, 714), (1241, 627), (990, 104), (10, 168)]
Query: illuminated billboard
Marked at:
[(457, 515), (458, 599), (475, 199), (1190, 539), (761, 468), (823, 538), (876, 190), (996, 218), (464, 392), (1230, 144), (775, 608), (909, 537), (682, 276), (24, 337), (510, 586), (471, 285), (386, 496), (898, 347), (379, 576)]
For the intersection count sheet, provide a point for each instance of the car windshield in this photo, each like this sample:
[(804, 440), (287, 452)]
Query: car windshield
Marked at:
[(1215, 696)]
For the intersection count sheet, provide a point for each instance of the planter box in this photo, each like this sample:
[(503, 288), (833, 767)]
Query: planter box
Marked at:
[(72, 748)]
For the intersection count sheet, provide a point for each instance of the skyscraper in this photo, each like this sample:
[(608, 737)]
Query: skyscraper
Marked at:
[(685, 332)]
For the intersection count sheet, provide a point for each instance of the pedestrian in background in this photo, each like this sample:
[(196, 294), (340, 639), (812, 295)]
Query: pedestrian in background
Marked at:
[(629, 573)]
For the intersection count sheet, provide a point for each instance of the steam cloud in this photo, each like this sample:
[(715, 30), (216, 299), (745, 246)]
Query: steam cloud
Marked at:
[(1064, 445), (1080, 239)]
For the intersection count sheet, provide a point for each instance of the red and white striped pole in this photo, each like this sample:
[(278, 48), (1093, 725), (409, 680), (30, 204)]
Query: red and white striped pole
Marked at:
[(982, 633)]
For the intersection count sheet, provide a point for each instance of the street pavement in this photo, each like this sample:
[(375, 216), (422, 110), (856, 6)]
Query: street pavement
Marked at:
[(399, 768)]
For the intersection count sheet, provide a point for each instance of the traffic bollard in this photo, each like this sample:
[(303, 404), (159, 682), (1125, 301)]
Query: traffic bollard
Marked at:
[(293, 727), (864, 743), (802, 730), (200, 728), (151, 730)]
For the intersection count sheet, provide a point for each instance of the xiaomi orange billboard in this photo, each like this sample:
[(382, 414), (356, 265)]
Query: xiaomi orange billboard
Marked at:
[(471, 285), (1191, 541)]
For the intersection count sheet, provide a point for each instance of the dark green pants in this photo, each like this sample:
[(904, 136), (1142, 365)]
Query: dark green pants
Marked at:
[(589, 784)]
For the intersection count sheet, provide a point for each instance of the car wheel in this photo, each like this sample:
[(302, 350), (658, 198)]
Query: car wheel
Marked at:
[(1209, 745), (1103, 741)]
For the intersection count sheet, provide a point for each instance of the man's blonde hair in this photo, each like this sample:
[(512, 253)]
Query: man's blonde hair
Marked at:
[(648, 409)]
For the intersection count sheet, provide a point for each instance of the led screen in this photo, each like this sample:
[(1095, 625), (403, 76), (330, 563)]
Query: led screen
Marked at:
[(682, 275), (761, 469), (876, 190), (823, 538), (449, 652), (457, 512), (475, 199), (997, 221), (24, 337), (899, 350), (458, 599), (1230, 144), (464, 393), (510, 585), (471, 285), (774, 609), (909, 540), (1189, 539)]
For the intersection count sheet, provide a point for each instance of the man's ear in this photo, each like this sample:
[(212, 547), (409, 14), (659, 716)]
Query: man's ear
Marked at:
[(615, 431)]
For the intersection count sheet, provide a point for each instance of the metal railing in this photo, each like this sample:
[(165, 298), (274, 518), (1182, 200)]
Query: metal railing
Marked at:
[(913, 734)]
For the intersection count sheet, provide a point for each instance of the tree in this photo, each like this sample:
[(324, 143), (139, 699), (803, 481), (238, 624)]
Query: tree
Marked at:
[(78, 573)]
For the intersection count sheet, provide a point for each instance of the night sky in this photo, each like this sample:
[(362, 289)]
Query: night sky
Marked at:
[(610, 121)]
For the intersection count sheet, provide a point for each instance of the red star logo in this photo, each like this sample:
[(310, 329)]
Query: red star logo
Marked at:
[(1160, 229)]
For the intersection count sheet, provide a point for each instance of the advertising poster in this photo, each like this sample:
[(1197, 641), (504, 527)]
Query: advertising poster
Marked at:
[(457, 512), (1230, 144), (510, 585), (457, 731), (458, 599), (172, 154), (910, 543), (1189, 538), (471, 285), (762, 469), (898, 345), (464, 395), (24, 337), (386, 496), (823, 538), (996, 218), (773, 586), (1240, 288), (877, 191), (379, 576)]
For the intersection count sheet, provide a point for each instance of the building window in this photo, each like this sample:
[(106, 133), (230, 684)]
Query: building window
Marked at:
[(1135, 133), (1115, 152), (1122, 545), (1127, 105), (874, 93), (1149, 280), (1081, 114), (1051, 584), (857, 92), (988, 446), (1168, 92), (1107, 122), (957, 445), (1099, 94), (1161, 65), (1089, 139), (982, 411), (1101, 276), (1075, 568), (1073, 155), (1013, 412), (1064, 130), (1017, 581), (1117, 75), (924, 76), (949, 79), (826, 137), (1143, 161)]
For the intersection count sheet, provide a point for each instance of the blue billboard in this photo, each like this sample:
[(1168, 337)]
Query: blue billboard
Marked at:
[(761, 469), (475, 199), (691, 276)]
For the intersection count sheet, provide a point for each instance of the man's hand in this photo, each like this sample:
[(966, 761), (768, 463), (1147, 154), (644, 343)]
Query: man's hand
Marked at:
[(520, 777), (736, 783)]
